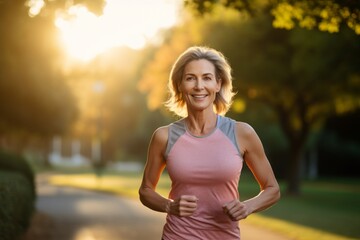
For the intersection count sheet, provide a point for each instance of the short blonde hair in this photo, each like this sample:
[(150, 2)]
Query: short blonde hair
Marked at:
[(223, 98)]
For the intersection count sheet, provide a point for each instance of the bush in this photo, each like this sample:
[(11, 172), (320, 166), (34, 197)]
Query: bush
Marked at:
[(17, 195), (16, 204), (18, 164)]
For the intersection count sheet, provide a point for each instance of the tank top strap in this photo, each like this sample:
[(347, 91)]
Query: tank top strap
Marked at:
[(175, 131), (227, 126)]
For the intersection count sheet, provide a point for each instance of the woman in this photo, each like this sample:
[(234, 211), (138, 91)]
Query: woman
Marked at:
[(204, 154)]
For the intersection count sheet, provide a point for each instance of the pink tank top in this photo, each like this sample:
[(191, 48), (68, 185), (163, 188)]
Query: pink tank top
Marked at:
[(208, 167)]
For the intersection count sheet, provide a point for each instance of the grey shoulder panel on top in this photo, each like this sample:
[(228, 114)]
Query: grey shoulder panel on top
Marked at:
[(176, 130), (227, 126)]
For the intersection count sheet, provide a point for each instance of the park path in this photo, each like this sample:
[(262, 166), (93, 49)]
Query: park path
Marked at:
[(85, 215)]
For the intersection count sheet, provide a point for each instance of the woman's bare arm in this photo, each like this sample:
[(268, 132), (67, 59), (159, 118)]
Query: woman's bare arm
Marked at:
[(154, 167), (183, 206), (254, 156)]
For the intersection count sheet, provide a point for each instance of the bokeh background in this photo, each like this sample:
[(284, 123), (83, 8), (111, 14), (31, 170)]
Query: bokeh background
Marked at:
[(83, 82)]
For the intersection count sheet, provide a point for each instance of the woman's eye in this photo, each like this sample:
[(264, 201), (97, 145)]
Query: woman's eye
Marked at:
[(189, 78)]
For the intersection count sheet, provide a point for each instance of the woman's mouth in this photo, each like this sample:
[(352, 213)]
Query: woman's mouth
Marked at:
[(199, 96)]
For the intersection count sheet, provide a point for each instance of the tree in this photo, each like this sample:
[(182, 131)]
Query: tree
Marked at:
[(304, 76), (34, 95), (33, 92), (35, 100), (318, 93), (327, 15), (50, 7)]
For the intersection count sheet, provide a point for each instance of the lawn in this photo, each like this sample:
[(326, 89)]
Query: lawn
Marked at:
[(327, 209)]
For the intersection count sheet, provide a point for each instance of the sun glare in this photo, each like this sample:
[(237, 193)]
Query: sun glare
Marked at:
[(129, 23)]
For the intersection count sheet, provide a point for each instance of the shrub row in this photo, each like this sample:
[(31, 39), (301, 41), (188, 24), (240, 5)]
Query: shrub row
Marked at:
[(17, 205), (18, 164), (17, 195)]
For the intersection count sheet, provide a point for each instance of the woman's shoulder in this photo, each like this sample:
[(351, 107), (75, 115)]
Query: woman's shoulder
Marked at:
[(244, 129), (159, 139), (161, 133), (239, 125)]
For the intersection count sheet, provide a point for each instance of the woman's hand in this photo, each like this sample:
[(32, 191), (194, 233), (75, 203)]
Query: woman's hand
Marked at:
[(184, 206), (236, 210)]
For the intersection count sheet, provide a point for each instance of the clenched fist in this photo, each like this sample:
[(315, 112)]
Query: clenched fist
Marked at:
[(183, 206), (236, 210)]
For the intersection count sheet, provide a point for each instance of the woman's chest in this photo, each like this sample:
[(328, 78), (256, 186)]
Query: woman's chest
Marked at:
[(198, 160)]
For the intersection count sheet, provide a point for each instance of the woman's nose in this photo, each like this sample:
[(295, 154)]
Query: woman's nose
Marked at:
[(199, 84)]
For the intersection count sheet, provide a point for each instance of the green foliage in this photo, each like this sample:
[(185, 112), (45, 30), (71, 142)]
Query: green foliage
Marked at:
[(281, 67), (17, 164), (328, 16), (300, 74), (340, 143), (17, 195), (16, 204), (51, 6), (346, 126)]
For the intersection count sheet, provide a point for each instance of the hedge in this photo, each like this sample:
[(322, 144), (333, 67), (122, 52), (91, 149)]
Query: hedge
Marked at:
[(17, 195), (18, 164), (17, 204)]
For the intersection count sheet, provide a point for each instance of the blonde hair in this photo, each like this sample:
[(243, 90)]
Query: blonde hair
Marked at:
[(223, 98)]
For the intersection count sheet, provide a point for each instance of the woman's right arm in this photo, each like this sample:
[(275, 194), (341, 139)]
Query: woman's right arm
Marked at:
[(155, 165), (183, 206)]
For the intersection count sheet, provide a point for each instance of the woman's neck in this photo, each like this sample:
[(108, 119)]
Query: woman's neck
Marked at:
[(201, 123)]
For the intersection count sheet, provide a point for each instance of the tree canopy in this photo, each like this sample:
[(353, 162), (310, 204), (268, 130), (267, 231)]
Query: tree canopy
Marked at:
[(325, 15), (33, 92)]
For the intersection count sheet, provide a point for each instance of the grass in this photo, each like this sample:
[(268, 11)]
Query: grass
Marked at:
[(335, 210), (327, 209), (125, 184)]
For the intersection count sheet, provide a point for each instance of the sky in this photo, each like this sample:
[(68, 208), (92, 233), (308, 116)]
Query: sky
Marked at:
[(131, 23)]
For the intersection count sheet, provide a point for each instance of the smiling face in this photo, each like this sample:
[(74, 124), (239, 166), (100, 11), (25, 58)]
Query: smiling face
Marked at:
[(199, 85)]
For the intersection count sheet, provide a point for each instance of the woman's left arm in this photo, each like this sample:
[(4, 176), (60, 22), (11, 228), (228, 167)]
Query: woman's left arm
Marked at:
[(255, 157)]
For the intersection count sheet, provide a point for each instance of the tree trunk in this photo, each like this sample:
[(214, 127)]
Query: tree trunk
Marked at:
[(294, 170), (312, 172)]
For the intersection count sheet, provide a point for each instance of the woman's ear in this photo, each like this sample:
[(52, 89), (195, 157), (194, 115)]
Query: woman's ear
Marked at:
[(178, 85), (218, 87)]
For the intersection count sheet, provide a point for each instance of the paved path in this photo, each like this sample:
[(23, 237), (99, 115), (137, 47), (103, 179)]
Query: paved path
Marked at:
[(85, 215)]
